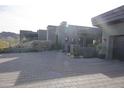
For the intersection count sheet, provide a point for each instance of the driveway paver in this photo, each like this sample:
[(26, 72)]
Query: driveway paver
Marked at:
[(55, 69)]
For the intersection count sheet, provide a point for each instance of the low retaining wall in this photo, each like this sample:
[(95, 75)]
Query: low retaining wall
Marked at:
[(17, 50), (87, 52)]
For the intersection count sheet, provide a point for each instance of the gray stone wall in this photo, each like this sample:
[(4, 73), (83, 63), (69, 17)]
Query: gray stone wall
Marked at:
[(51, 34), (26, 35), (61, 32), (42, 34)]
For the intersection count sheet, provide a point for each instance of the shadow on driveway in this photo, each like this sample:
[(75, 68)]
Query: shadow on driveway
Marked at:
[(51, 65)]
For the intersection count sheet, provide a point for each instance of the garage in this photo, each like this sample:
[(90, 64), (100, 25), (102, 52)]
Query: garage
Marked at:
[(118, 47), (112, 25)]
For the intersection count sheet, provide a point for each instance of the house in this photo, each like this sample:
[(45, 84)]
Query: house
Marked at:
[(112, 25), (62, 36), (26, 35), (83, 35)]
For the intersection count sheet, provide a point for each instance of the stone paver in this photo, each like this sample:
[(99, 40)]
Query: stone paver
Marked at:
[(55, 69)]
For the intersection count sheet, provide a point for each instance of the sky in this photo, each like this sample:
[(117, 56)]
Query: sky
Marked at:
[(38, 14)]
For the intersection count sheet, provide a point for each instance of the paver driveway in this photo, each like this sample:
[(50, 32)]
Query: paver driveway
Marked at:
[(55, 69)]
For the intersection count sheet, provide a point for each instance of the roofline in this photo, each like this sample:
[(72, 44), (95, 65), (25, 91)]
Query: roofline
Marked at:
[(27, 30), (113, 16), (108, 11), (51, 26), (42, 30), (82, 26)]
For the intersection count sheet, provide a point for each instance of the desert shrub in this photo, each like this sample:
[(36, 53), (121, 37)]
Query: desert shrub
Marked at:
[(3, 44), (40, 45), (75, 50)]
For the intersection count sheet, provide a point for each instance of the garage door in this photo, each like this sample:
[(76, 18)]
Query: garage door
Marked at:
[(118, 48)]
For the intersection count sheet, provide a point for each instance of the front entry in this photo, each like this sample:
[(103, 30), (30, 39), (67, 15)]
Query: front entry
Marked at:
[(118, 48)]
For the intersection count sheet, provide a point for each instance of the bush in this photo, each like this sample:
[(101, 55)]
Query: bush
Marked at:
[(40, 45), (3, 44), (75, 50), (87, 52)]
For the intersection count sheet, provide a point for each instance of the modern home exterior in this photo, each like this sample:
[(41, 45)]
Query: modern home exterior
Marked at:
[(26, 35), (47, 35), (64, 35), (83, 35), (112, 25)]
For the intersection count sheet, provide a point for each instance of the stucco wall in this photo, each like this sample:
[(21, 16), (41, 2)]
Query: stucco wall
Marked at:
[(109, 31), (51, 34), (114, 29), (42, 34), (61, 32), (74, 32)]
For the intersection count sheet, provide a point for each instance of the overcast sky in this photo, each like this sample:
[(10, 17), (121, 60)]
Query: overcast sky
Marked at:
[(37, 14)]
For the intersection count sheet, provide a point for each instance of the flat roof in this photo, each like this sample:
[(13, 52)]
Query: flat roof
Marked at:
[(42, 30), (51, 26), (110, 16)]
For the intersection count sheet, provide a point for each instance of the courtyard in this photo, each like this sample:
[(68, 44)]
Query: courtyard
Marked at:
[(54, 69)]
